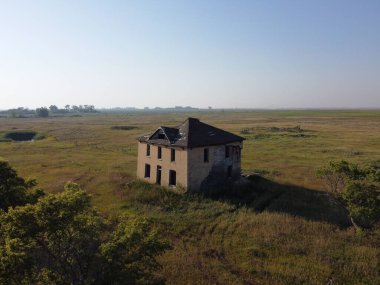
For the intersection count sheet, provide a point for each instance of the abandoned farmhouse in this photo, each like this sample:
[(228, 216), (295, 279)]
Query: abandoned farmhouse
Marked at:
[(193, 155)]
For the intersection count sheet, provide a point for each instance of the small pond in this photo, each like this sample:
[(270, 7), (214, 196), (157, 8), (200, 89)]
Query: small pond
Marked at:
[(20, 136)]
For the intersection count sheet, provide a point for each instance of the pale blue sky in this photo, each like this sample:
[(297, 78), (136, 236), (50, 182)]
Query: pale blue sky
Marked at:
[(252, 54)]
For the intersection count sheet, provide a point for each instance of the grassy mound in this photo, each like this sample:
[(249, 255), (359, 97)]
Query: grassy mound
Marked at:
[(124, 128)]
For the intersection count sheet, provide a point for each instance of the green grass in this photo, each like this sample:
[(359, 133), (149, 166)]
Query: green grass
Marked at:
[(285, 229)]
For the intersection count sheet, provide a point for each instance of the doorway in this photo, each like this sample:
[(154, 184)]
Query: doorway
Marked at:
[(158, 175)]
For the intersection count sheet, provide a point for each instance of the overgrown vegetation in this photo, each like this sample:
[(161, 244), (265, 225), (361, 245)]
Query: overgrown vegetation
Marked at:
[(62, 239), (276, 133), (257, 237), (293, 232), (357, 188), (15, 190)]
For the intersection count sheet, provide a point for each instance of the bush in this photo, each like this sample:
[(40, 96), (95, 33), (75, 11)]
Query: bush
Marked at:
[(39, 136), (62, 239), (356, 188), (363, 203), (338, 173)]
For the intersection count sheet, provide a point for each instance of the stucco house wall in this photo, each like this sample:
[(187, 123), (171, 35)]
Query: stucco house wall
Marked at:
[(203, 175), (179, 165)]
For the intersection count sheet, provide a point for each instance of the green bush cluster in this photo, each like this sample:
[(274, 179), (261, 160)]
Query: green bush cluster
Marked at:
[(358, 189), (62, 239)]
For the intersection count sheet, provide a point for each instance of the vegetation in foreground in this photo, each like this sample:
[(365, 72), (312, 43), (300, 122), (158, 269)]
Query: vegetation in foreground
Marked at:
[(62, 239), (287, 230), (357, 189)]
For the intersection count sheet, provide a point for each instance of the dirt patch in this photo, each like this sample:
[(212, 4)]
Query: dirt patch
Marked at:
[(276, 133), (293, 129), (124, 128)]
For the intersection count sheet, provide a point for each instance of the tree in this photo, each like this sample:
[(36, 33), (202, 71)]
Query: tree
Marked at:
[(337, 173), (136, 263), (15, 190), (53, 108), (42, 112), (357, 189), (62, 239), (75, 108), (363, 203)]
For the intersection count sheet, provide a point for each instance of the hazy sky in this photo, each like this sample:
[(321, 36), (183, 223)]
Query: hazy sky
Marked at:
[(253, 54)]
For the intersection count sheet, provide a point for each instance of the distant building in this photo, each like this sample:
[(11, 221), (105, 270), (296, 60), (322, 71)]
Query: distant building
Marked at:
[(193, 155)]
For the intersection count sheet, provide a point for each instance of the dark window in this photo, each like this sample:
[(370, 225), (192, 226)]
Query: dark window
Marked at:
[(229, 171), (172, 178), (227, 151), (148, 150), (147, 171), (159, 153), (172, 154), (205, 155), (161, 136)]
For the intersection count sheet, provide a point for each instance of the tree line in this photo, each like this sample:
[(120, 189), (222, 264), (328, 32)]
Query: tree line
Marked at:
[(51, 110)]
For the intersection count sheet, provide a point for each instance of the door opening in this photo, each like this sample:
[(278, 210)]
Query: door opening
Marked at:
[(158, 176)]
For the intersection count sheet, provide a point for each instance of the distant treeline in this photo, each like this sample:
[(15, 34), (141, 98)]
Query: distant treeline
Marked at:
[(53, 110), (77, 110), (154, 109)]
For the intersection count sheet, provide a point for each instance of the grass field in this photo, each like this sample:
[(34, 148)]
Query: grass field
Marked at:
[(292, 233)]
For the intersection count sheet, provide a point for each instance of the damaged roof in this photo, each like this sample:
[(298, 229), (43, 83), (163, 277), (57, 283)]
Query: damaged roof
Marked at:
[(191, 133)]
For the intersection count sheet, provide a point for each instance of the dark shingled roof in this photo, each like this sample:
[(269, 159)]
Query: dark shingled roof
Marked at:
[(192, 133)]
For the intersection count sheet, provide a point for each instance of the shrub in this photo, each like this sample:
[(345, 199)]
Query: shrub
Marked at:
[(62, 239), (356, 188), (363, 203), (39, 136), (337, 173), (15, 190)]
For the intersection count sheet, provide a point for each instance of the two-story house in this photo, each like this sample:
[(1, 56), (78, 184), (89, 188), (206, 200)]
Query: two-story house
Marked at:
[(193, 155)]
